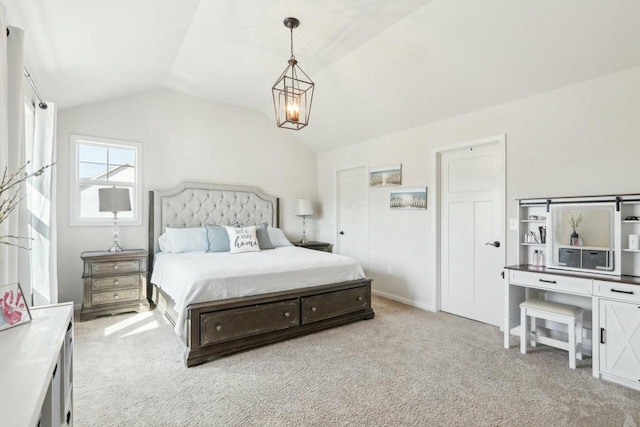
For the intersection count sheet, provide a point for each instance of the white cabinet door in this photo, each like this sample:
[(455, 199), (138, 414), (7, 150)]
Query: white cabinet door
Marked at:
[(620, 353)]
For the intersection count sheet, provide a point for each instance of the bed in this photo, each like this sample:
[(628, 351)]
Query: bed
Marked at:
[(221, 303)]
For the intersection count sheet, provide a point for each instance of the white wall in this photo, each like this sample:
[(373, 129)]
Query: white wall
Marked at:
[(184, 139), (580, 140)]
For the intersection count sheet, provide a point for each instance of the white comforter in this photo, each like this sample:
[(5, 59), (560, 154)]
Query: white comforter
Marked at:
[(199, 277)]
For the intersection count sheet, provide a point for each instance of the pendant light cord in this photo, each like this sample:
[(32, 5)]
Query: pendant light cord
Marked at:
[(292, 55)]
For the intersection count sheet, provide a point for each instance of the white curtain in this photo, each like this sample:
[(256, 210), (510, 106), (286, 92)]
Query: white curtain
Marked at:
[(11, 139), (35, 216), (41, 208)]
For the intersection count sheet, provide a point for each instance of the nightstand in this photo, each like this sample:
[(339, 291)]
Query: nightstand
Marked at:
[(114, 282), (316, 246)]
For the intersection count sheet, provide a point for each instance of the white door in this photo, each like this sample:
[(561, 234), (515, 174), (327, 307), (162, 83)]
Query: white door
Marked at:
[(353, 214), (472, 219), (620, 352)]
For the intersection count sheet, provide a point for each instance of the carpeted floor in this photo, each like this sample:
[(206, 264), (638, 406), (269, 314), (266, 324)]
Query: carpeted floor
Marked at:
[(406, 367)]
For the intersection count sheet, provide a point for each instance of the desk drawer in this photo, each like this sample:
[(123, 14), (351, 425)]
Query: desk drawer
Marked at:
[(115, 296), (619, 291), (552, 282), (115, 282), (132, 266)]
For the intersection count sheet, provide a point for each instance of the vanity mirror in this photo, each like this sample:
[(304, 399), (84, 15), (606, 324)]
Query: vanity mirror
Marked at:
[(582, 236)]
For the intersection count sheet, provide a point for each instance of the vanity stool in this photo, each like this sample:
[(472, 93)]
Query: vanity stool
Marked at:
[(561, 313)]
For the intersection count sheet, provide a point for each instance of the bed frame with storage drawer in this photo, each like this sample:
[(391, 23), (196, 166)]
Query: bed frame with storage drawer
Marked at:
[(218, 328)]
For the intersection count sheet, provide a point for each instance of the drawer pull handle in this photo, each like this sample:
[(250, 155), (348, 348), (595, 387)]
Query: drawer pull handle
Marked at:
[(115, 296), (116, 283), (115, 267), (313, 309), (548, 281), (218, 328), (359, 298), (622, 292), (287, 314)]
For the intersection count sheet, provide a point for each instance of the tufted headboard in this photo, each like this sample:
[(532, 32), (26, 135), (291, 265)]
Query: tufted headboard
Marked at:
[(192, 204)]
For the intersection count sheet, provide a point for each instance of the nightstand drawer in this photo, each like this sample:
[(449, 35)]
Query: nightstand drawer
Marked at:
[(130, 266), (114, 296), (115, 282)]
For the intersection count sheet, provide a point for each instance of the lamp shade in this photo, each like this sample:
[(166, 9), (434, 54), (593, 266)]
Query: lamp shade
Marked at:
[(303, 207), (114, 199)]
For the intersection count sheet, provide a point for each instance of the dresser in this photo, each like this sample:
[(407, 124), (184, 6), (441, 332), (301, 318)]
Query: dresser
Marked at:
[(36, 369), (114, 282)]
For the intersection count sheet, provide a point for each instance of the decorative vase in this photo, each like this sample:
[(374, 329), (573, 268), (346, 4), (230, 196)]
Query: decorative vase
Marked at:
[(574, 235)]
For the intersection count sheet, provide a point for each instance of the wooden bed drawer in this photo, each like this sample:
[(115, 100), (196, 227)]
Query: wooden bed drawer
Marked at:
[(116, 282), (332, 304), (132, 266), (114, 296), (220, 326)]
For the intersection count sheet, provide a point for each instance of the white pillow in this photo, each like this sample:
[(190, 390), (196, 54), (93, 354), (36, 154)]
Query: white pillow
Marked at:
[(187, 239), (243, 239), (163, 242), (278, 238)]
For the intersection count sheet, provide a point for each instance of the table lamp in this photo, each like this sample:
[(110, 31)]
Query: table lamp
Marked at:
[(304, 208), (114, 200)]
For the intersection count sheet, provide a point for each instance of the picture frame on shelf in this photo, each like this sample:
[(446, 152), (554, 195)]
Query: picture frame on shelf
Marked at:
[(14, 310), (577, 241), (385, 176)]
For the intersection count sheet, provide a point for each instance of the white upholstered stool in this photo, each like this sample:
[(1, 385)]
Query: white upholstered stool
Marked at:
[(561, 313)]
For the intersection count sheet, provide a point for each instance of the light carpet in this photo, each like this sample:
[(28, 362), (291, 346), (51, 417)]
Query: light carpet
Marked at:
[(406, 367)]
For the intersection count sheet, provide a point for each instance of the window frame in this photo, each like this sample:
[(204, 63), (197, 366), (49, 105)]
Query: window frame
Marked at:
[(76, 181)]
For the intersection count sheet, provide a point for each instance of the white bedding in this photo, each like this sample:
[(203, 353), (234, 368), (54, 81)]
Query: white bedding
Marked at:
[(199, 276)]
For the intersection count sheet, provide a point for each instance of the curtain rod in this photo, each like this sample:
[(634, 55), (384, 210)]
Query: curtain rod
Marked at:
[(43, 105)]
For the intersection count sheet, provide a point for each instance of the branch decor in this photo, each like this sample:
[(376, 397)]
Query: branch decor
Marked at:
[(10, 198)]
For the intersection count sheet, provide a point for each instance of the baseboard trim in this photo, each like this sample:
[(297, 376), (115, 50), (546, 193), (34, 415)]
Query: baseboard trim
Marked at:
[(406, 301)]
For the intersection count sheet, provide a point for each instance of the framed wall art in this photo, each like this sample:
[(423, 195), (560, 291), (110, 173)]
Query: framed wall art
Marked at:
[(383, 176), (408, 198)]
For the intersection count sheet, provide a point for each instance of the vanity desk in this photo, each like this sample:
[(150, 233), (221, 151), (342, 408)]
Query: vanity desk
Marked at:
[(599, 271), (614, 303)]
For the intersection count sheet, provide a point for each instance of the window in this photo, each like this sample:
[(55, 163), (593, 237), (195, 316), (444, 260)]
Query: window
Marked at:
[(100, 163)]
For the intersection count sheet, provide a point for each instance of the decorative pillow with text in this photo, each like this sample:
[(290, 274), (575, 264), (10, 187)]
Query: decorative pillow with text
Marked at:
[(242, 239)]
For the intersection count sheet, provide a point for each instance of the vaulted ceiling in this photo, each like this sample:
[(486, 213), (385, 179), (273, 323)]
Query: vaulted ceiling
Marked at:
[(380, 66)]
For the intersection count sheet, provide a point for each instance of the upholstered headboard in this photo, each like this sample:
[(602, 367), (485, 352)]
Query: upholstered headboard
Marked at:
[(192, 204)]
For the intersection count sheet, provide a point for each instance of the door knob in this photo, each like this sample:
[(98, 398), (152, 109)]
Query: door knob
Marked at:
[(496, 244), (342, 233)]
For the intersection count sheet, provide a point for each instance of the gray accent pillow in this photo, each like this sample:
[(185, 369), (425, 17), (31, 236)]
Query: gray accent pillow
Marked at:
[(278, 238), (218, 238), (263, 237)]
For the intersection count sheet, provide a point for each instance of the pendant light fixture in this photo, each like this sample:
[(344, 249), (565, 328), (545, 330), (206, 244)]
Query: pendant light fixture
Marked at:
[(293, 91)]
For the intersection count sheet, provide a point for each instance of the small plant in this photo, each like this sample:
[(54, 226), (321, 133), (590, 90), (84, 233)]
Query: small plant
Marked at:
[(10, 198), (575, 222)]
